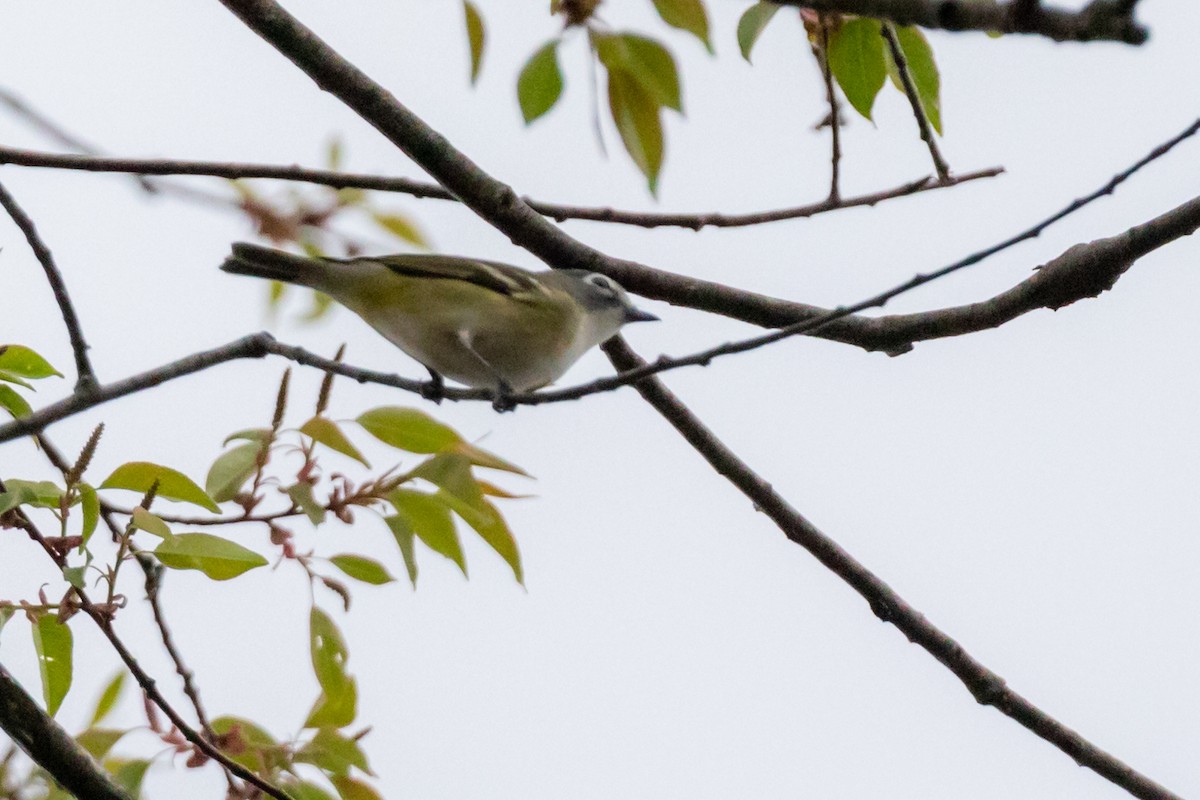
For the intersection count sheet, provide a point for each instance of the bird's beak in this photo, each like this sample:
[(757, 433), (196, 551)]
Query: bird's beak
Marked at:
[(637, 315)]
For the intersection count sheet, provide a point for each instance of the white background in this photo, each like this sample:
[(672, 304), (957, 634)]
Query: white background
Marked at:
[(1031, 490)]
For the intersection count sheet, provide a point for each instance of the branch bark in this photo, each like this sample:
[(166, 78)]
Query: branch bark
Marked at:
[(499, 205), (423, 189), (985, 686), (85, 376), (1084, 270), (1099, 20), (51, 747)]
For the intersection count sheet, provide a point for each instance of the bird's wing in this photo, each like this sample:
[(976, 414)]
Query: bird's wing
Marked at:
[(500, 278)]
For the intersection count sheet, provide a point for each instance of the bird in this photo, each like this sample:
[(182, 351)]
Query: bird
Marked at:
[(482, 324)]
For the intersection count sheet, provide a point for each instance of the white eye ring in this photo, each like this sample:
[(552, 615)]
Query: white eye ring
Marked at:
[(602, 282)]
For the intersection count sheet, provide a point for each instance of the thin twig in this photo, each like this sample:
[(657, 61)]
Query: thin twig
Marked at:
[(175, 519), (914, 99), (143, 678), (246, 347), (21, 108), (51, 747), (86, 379), (499, 205), (889, 334), (987, 687), (1082, 271), (835, 113), (1099, 20), (71, 141), (153, 573), (556, 211)]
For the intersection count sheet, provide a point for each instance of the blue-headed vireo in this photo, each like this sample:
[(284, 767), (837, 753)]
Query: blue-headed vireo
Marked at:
[(482, 324)]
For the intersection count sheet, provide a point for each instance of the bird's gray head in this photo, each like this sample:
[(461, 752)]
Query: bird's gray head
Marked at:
[(600, 294)]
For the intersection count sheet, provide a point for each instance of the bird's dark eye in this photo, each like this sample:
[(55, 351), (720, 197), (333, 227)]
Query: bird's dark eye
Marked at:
[(602, 282)]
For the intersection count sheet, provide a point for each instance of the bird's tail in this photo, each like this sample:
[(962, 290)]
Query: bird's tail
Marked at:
[(276, 265)]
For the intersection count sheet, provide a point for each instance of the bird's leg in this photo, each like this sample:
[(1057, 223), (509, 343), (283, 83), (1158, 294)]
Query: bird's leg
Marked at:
[(502, 396), (435, 389)]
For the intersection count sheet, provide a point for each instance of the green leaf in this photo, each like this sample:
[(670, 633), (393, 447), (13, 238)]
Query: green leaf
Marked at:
[(39, 494), (75, 576), (337, 706), (23, 362), (250, 745), (150, 523), (335, 709), (89, 504), (13, 403), (219, 559), (229, 473), (5, 375), (321, 303), (636, 115), (139, 476), (53, 642), (492, 490), (856, 60), (98, 741), (416, 432), (250, 435), (687, 15), (475, 37), (646, 61), (367, 570), (540, 83), (327, 432), (429, 518), (491, 527), (354, 789), (922, 68), (401, 227), (334, 753), (752, 24), (6, 613), (334, 153), (463, 494), (408, 429), (305, 790), (108, 698), (452, 472), (482, 458), (402, 531), (302, 495)]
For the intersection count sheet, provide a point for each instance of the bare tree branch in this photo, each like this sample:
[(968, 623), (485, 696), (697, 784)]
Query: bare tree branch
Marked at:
[(422, 189), (890, 334), (51, 747), (835, 112), (498, 204), (86, 377), (247, 347), (1084, 270), (147, 683), (985, 686), (914, 99), (153, 572), (1110, 20)]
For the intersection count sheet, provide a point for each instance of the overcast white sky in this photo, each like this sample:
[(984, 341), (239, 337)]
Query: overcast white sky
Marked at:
[(1032, 490)]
